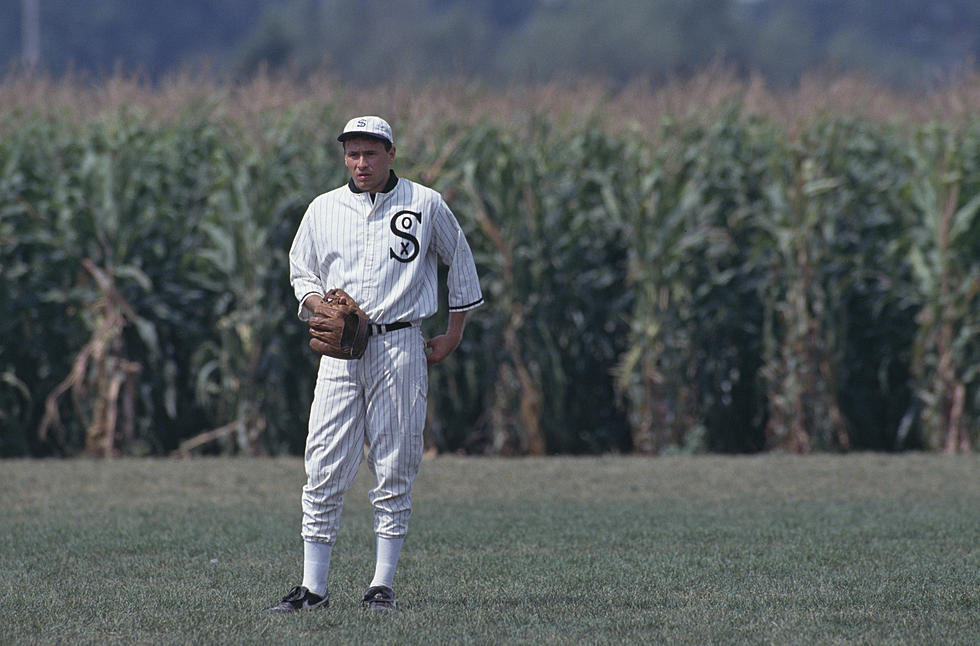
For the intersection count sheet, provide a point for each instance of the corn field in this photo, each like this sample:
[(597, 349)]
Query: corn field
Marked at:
[(713, 278)]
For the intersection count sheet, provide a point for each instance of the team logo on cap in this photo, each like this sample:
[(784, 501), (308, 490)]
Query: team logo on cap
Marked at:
[(371, 126)]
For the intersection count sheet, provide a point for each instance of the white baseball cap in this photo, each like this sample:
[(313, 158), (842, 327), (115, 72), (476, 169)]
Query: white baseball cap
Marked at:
[(370, 126)]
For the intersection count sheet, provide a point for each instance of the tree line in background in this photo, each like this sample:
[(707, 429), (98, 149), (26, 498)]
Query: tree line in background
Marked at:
[(717, 281), (903, 42)]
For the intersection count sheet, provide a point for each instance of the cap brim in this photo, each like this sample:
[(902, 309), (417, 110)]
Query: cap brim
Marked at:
[(357, 133)]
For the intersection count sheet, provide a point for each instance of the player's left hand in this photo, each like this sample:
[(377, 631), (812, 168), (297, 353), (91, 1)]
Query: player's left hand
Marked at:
[(439, 347)]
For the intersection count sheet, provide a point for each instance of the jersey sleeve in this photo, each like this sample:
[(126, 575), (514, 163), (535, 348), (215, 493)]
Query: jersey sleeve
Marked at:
[(453, 249), (303, 274)]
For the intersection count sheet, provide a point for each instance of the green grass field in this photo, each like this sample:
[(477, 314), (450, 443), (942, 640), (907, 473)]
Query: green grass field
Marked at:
[(860, 549)]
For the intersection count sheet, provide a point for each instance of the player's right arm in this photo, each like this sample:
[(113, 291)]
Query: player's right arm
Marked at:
[(304, 273), (313, 301)]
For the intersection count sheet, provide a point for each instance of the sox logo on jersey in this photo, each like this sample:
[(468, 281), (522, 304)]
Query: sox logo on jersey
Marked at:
[(401, 225)]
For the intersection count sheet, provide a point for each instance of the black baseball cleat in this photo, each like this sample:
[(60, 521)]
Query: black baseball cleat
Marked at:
[(379, 598), (300, 598)]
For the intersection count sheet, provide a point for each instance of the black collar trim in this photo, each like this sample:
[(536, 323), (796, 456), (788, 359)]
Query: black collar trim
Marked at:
[(392, 181)]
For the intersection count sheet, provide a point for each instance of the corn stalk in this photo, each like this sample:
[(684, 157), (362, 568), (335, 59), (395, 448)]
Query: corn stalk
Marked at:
[(946, 259), (100, 375)]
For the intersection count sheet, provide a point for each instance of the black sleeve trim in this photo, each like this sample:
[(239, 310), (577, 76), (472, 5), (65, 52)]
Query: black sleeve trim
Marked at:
[(459, 308)]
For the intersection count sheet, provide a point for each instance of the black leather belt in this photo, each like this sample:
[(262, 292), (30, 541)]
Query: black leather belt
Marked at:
[(381, 328)]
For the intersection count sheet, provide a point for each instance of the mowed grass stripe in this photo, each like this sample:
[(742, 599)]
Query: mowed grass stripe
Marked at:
[(858, 549)]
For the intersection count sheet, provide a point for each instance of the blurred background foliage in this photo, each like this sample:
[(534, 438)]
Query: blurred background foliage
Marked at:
[(901, 42)]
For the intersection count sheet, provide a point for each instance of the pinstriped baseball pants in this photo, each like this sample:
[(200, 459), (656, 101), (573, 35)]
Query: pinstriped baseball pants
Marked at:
[(380, 399)]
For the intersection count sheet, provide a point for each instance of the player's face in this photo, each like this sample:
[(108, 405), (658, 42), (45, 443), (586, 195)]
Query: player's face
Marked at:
[(369, 163)]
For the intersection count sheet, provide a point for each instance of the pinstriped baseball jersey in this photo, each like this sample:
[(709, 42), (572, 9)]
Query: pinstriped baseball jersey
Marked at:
[(384, 252)]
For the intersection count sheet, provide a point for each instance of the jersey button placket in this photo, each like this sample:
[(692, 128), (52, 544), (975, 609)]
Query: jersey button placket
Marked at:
[(374, 225)]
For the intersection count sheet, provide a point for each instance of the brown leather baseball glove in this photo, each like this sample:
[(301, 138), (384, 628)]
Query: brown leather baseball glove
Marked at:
[(339, 327)]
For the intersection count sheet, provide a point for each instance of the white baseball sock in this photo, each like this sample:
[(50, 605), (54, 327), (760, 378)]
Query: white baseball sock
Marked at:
[(316, 566), (387, 560)]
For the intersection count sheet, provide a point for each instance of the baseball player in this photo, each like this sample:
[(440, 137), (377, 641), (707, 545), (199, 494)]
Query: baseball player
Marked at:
[(378, 238)]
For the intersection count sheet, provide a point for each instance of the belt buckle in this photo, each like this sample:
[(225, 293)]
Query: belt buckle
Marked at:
[(377, 329)]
